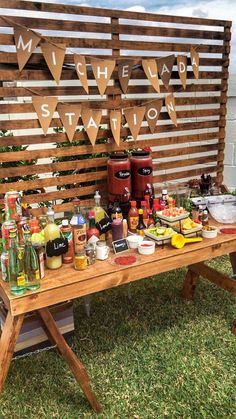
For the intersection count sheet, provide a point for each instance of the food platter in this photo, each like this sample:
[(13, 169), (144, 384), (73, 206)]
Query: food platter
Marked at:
[(124, 260), (172, 219), (159, 239)]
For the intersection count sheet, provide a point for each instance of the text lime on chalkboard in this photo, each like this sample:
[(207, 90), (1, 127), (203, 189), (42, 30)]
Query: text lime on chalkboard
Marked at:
[(56, 247), (120, 245)]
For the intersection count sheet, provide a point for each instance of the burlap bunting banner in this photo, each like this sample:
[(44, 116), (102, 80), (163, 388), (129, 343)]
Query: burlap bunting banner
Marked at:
[(165, 66), (134, 117), (115, 124), (69, 116), (54, 56), (102, 71), (194, 61), (170, 107), (124, 73), (45, 108), (151, 71), (80, 66), (182, 69), (26, 41), (91, 120), (152, 113)]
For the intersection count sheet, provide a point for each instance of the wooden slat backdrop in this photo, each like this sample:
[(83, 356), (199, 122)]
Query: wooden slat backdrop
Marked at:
[(180, 153)]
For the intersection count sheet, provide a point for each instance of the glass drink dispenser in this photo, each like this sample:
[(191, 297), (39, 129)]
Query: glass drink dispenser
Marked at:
[(141, 173), (119, 178)]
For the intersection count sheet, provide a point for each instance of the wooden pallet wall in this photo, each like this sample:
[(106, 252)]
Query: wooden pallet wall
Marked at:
[(180, 153)]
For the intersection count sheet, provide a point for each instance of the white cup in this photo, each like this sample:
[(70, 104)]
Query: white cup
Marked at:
[(102, 252)]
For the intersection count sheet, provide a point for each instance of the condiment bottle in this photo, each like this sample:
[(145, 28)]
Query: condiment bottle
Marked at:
[(16, 267), (66, 231), (31, 264), (52, 232), (78, 224), (151, 221), (154, 213), (125, 228), (133, 217), (117, 229), (200, 213), (116, 211), (156, 202), (141, 226), (147, 199), (92, 230), (205, 218), (98, 211), (164, 195), (145, 212)]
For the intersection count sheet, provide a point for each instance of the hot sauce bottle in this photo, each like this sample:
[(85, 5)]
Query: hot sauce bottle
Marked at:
[(67, 232), (141, 226), (145, 212), (133, 217)]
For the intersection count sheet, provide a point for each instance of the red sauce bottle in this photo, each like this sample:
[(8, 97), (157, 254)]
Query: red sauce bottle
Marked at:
[(145, 212), (66, 231), (92, 230), (133, 217)]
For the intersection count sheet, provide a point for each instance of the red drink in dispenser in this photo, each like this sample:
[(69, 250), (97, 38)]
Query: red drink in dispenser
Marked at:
[(119, 179), (141, 172)]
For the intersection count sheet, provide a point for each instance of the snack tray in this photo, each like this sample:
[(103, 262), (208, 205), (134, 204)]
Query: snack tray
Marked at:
[(172, 219), (158, 239), (187, 232)]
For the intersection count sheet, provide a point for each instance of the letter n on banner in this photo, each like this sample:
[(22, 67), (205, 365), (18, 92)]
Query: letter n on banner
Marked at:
[(152, 113), (170, 107), (69, 116), (194, 61), (45, 108), (134, 117), (102, 71), (182, 69), (115, 123), (80, 66), (26, 41), (54, 56), (91, 120)]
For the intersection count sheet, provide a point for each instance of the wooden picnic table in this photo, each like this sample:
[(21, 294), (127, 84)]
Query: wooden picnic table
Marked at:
[(66, 284)]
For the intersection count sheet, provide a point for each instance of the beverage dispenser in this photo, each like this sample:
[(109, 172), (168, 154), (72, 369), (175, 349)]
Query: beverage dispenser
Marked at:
[(141, 173), (119, 178)]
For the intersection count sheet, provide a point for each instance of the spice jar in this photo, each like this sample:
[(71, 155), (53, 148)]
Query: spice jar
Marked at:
[(90, 253), (80, 261)]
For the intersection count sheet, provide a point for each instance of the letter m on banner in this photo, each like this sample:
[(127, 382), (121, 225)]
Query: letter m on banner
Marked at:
[(26, 41)]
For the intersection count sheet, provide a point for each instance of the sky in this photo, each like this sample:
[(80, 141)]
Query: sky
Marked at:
[(213, 9)]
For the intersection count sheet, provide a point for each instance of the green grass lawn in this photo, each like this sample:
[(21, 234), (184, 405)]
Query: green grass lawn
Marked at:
[(154, 356)]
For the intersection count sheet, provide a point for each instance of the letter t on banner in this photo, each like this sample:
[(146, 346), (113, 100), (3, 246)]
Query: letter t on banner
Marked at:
[(45, 108), (69, 116), (134, 117), (115, 121), (26, 41), (91, 120)]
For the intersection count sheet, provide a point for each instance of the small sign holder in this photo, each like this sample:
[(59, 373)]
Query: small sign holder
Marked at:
[(120, 246)]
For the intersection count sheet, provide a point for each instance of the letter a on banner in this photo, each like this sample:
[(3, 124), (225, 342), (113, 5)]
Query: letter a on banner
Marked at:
[(182, 69), (54, 56), (134, 117), (45, 108), (124, 73), (152, 113), (91, 120), (195, 62), (26, 41), (165, 66), (80, 66), (102, 71), (150, 69), (69, 116), (170, 107), (115, 122)]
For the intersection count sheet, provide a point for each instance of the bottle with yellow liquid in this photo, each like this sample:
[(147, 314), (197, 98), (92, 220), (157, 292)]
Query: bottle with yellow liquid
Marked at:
[(52, 232), (99, 211)]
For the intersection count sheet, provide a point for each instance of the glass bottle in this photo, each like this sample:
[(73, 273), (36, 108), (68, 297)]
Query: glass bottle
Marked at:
[(133, 217), (92, 231), (116, 211), (66, 231), (31, 264), (99, 211), (145, 212), (16, 267), (78, 223), (52, 232), (141, 226)]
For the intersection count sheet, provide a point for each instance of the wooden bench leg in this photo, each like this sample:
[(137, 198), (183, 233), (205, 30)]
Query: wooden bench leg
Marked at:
[(8, 341), (190, 283), (75, 365), (234, 327)]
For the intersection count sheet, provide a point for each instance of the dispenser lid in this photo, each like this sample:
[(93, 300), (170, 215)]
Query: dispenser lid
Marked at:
[(140, 153), (118, 156)]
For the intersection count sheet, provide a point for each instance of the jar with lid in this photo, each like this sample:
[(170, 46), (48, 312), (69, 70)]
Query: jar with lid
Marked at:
[(141, 174), (119, 177), (81, 260)]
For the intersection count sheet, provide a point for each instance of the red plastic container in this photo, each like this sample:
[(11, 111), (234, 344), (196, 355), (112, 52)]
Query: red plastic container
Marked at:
[(141, 173), (119, 177)]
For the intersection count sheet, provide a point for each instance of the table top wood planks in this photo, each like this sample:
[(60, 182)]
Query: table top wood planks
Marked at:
[(67, 283)]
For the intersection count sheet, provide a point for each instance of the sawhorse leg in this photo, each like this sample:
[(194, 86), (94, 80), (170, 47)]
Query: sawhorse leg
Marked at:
[(75, 365), (8, 341)]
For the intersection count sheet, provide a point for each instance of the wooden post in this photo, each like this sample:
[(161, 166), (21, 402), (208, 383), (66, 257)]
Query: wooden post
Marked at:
[(190, 283)]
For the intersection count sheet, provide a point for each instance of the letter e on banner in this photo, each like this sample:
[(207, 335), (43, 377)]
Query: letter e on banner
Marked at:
[(26, 41), (124, 73), (45, 108), (91, 120), (81, 70), (102, 71), (115, 122), (54, 56), (152, 113), (182, 69), (134, 117), (194, 61), (170, 107), (150, 69), (69, 116)]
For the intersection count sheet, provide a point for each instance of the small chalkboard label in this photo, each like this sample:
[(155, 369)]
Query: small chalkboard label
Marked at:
[(104, 225), (56, 247), (120, 245)]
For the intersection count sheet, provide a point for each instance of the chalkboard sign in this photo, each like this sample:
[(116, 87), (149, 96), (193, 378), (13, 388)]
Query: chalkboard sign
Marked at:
[(120, 245), (104, 225), (56, 247)]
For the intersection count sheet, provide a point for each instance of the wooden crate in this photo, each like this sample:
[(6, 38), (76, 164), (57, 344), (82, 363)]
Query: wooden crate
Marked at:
[(180, 153)]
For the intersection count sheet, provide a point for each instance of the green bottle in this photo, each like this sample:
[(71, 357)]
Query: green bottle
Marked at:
[(16, 266), (31, 264)]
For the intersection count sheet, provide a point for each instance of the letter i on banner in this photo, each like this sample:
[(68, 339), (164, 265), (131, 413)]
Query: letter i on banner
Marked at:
[(91, 120), (69, 116), (182, 69), (150, 69), (170, 107), (80, 66), (54, 56), (134, 117), (102, 71), (194, 61), (115, 123), (26, 41), (45, 108)]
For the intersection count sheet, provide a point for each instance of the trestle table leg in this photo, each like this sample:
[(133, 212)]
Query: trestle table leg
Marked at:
[(190, 283)]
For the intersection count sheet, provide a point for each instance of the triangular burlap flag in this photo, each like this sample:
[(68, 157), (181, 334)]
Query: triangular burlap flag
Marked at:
[(45, 108), (194, 61), (150, 69), (69, 116), (26, 41), (124, 73), (134, 117), (91, 120), (165, 66), (170, 107), (102, 71), (115, 123), (182, 69), (54, 56), (80, 66), (152, 113)]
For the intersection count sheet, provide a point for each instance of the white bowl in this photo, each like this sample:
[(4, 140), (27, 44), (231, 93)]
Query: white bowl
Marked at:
[(210, 234), (134, 240), (146, 247)]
